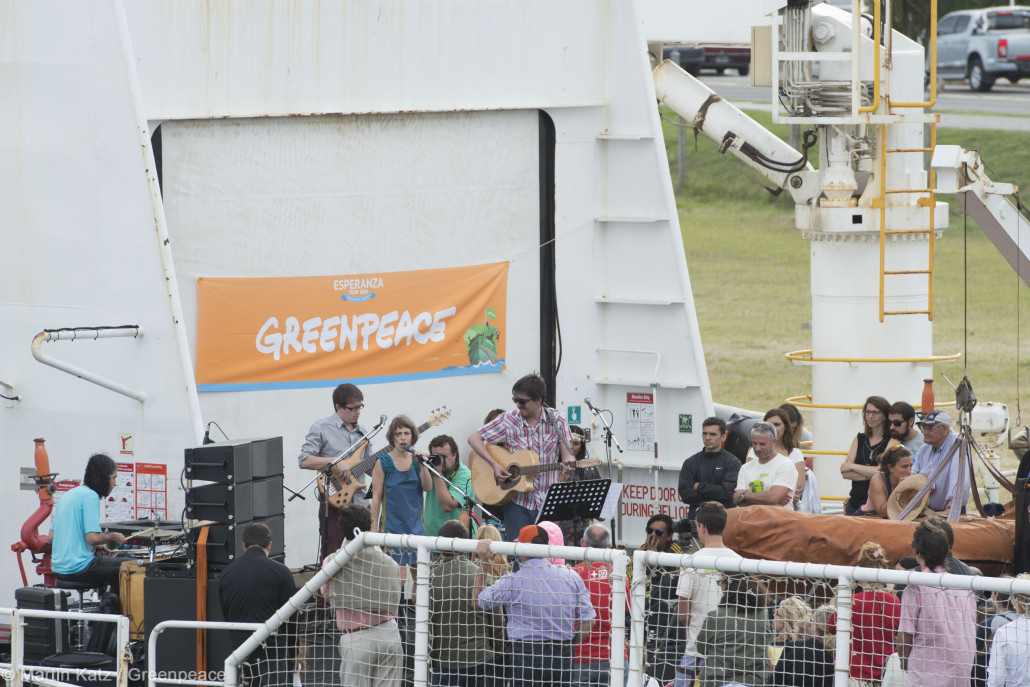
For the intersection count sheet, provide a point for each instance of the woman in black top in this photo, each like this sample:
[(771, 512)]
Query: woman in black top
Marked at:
[(860, 465)]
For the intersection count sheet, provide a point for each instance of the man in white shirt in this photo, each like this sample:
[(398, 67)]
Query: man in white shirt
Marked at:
[(770, 479), (1009, 663), (698, 589)]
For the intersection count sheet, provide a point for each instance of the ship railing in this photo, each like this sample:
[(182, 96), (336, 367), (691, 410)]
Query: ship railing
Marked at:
[(664, 616), (41, 626)]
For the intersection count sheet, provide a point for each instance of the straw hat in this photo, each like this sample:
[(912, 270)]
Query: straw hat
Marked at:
[(903, 493)]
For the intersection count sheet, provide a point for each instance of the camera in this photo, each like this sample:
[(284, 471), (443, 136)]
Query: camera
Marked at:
[(685, 528), (435, 459)]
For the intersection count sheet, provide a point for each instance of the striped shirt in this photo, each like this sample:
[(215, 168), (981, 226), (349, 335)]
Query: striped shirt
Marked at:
[(516, 434)]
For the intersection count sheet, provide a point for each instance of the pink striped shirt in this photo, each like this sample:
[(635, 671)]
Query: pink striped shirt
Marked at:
[(516, 434)]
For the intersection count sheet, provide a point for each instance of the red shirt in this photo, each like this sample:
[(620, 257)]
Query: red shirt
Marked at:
[(597, 645), (874, 624)]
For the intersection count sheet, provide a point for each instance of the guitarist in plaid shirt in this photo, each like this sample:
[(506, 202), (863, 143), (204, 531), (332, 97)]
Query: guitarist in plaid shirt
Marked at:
[(528, 426)]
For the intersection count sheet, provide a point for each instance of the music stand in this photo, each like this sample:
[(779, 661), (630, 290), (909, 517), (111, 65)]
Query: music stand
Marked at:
[(575, 499)]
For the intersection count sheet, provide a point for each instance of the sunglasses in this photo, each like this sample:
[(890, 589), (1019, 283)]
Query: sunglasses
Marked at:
[(656, 532), (898, 423), (520, 401)]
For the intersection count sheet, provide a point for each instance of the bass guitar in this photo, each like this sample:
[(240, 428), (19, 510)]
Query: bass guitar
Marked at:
[(521, 465), (340, 492)]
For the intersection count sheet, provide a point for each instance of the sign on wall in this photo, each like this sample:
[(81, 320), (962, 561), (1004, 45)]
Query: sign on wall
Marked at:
[(303, 332)]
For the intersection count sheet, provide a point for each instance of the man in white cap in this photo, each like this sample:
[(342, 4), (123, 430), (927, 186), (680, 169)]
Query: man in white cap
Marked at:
[(938, 441)]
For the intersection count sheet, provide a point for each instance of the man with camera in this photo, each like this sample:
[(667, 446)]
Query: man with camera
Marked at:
[(444, 502)]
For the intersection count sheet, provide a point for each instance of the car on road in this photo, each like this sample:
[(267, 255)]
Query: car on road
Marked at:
[(984, 45), (713, 57)]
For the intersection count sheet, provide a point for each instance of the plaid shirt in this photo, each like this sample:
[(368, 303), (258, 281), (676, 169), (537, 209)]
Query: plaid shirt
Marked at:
[(516, 434)]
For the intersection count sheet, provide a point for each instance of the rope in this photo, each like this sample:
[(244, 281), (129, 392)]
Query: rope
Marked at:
[(965, 285)]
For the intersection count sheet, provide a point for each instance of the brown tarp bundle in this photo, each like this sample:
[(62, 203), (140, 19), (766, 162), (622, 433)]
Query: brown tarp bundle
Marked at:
[(772, 533)]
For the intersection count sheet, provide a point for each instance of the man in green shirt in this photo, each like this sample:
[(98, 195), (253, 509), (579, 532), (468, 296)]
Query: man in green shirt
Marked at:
[(464, 639), (444, 502)]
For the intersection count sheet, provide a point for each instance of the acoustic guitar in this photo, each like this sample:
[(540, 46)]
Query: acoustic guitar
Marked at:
[(521, 465), (339, 492)]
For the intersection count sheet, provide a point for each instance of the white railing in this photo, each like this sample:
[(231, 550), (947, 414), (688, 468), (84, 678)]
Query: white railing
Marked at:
[(18, 672), (644, 627), (844, 577)]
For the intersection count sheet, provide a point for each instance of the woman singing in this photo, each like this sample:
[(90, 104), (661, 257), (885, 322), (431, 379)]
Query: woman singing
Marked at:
[(398, 483)]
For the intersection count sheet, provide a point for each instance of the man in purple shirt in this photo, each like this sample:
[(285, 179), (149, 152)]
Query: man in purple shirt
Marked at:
[(548, 610)]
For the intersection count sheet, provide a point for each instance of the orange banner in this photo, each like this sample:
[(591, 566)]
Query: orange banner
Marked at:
[(303, 332)]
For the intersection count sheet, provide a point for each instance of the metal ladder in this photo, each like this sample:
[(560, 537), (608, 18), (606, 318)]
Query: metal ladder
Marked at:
[(930, 201)]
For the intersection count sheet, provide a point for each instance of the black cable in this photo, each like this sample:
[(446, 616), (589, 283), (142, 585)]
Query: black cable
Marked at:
[(810, 137), (90, 329), (219, 429), (11, 398)]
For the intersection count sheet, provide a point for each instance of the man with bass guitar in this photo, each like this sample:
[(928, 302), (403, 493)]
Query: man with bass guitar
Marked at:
[(328, 438), (530, 426)]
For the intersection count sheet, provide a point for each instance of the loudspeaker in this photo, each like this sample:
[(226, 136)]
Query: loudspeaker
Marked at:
[(170, 593), (225, 542), (235, 461), (43, 636), (236, 502)]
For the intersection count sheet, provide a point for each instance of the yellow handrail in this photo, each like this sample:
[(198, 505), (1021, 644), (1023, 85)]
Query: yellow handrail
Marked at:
[(933, 63), (881, 203), (876, 61), (805, 355), (800, 402), (932, 200)]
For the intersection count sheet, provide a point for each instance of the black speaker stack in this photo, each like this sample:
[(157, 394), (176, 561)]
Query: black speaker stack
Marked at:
[(230, 485), (245, 486)]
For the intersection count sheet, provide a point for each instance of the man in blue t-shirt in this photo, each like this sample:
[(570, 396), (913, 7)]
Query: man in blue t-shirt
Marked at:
[(78, 547)]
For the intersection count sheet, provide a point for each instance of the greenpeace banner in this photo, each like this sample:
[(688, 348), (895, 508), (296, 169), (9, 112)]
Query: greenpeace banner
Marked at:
[(301, 332)]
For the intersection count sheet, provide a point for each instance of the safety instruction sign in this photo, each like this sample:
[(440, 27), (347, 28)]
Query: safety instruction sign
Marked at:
[(640, 421), (121, 502), (151, 491)]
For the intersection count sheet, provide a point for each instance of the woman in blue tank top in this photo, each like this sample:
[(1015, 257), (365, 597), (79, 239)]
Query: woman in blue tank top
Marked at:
[(398, 484)]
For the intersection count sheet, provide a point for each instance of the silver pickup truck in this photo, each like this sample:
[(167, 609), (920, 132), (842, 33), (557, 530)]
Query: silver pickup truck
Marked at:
[(984, 45)]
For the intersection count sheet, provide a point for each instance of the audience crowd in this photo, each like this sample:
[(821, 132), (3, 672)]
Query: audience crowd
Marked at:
[(496, 622)]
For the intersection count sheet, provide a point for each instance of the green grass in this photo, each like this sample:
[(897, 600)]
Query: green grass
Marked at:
[(978, 113), (749, 268)]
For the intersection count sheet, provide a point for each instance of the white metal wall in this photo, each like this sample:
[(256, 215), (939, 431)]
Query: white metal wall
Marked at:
[(356, 194), (78, 227)]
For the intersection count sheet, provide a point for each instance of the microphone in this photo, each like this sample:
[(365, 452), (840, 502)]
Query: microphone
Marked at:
[(382, 421), (432, 458), (590, 405), (207, 436)]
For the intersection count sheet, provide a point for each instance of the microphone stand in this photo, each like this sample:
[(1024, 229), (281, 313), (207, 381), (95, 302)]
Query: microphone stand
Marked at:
[(327, 470), (468, 499), (609, 437)]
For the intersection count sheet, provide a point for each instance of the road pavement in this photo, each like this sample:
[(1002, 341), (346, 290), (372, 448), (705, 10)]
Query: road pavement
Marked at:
[(1004, 107)]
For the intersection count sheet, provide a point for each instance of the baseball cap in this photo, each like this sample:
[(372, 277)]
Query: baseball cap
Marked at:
[(935, 417), (530, 532)]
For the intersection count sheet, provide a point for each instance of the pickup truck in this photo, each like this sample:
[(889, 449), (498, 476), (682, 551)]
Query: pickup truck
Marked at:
[(717, 57), (983, 45)]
